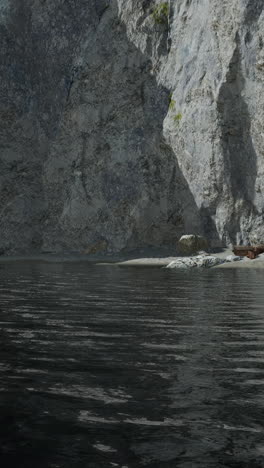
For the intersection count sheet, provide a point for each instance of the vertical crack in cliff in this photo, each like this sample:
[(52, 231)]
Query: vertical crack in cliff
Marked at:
[(240, 159), (84, 137)]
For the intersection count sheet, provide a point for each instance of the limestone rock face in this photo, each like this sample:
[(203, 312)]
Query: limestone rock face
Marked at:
[(124, 129)]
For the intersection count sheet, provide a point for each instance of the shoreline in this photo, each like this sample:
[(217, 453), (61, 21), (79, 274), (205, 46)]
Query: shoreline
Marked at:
[(133, 259)]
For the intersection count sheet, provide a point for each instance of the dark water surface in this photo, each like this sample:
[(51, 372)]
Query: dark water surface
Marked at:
[(111, 367)]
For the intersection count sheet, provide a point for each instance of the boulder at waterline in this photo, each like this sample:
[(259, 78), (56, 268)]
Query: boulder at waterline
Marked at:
[(189, 244)]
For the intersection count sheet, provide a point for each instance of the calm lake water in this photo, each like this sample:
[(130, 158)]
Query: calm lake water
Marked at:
[(131, 367)]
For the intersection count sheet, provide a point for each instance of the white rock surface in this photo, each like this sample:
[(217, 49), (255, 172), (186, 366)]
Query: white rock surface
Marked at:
[(261, 256), (233, 258), (199, 261)]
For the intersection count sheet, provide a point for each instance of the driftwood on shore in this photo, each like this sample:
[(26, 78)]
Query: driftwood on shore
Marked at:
[(248, 250)]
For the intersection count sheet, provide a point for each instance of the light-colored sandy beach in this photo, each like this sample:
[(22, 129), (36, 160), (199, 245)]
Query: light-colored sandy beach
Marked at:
[(136, 259), (164, 261)]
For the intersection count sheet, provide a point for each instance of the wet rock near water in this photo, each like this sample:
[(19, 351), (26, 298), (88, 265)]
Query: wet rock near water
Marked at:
[(199, 261), (204, 260)]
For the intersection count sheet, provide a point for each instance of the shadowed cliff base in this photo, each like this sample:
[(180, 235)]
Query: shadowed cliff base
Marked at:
[(36, 66)]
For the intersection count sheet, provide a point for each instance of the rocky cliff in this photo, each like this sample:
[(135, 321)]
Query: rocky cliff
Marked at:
[(126, 123)]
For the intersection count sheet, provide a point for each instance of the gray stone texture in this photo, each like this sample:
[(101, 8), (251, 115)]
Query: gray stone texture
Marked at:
[(189, 244), (119, 132)]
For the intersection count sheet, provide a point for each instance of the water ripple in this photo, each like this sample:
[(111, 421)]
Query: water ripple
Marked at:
[(131, 368)]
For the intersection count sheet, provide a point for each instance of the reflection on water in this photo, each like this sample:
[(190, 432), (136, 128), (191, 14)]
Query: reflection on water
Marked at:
[(112, 367)]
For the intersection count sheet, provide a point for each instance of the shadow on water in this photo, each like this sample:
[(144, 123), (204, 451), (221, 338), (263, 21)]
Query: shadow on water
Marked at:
[(107, 367)]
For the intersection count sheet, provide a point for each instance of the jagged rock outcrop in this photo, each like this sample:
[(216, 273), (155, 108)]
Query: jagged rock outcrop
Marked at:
[(121, 131)]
